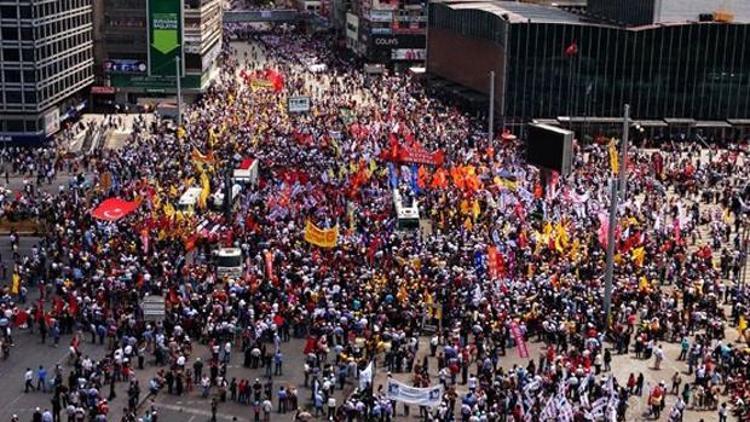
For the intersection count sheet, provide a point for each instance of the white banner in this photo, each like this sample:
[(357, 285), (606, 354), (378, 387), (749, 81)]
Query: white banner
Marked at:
[(430, 397), (365, 377)]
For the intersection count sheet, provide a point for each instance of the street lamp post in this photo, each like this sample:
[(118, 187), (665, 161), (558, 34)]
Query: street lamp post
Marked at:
[(178, 73), (624, 153), (491, 120)]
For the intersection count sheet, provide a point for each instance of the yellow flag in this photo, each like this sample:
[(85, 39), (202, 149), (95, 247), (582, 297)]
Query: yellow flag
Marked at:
[(168, 210), (205, 191), (15, 287), (638, 255), (475, 209), (643, 283), (613, 159)]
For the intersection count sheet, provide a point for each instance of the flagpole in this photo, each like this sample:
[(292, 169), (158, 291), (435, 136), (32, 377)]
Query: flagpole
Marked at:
[(610, 251)]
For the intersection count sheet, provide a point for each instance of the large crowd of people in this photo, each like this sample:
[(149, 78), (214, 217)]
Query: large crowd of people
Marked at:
[(506, 255)]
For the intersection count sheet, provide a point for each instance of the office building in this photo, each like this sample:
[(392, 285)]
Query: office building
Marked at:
[(388, 32), (46, 61), (551, 64), (141, 40)]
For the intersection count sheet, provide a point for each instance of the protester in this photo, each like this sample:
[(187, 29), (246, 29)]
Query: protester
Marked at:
[(511, 254)]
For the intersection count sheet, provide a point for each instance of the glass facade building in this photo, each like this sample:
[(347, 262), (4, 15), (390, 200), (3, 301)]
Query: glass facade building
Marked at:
[(45, 59), (699, 71), (559, 64)]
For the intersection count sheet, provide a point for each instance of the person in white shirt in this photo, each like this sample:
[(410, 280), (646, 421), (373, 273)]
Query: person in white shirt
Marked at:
[(331, 407), (28, 377)]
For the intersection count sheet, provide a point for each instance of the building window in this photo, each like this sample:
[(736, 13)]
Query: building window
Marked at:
[(12, 76), (28, 76), (8, 12), (10, 55), (10, 34), (13, 97), (30, 126), (25, 12), (29, 97)]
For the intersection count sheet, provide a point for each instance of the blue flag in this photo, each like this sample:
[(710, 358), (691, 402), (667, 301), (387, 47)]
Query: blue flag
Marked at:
[(393, 177)]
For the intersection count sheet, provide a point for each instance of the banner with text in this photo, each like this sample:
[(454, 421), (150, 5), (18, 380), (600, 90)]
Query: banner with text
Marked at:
[(430, 396), (165, 36), (325, 238)]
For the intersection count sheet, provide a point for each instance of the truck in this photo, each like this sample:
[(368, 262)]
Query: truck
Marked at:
[(228, 262)]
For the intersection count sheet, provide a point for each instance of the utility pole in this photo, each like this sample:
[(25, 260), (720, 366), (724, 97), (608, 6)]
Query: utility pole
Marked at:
[(179, 90), (624, 153), (504, 74), (610, 250), (744, 246), (491, 123)]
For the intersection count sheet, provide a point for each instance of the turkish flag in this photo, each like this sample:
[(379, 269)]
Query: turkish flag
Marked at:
[(114, 209)]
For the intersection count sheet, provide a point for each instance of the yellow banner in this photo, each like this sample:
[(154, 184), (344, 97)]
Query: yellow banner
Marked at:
[(325, 238)]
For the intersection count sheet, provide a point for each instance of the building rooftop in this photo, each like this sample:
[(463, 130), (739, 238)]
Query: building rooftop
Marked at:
[(516, 12), (679, 11)]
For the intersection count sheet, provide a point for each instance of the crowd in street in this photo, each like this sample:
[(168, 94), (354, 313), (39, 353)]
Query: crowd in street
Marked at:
[(511, 255)]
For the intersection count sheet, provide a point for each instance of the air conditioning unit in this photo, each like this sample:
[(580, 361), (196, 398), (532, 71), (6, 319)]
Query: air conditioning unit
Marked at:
[(723, 16)]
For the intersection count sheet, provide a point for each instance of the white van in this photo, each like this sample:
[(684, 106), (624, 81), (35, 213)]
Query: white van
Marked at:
[(189, 199), (407, 215), (228, 262), (217, 198)]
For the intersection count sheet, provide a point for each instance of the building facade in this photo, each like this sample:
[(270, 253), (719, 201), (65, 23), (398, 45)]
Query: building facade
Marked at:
[(127, 62), (46, 61), (389, 32), (551, 64)]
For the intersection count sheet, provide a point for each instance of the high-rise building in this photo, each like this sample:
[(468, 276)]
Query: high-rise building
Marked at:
[(46, 61), (140, 40)]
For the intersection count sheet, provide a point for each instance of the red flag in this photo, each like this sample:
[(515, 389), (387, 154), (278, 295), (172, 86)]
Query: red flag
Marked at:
[(144, 240), (572, 49), (114, 209)]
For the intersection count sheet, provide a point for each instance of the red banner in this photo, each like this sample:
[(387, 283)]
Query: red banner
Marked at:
[(417, 154), (269, 266), (114, 209), (492, 262), (523, 351)]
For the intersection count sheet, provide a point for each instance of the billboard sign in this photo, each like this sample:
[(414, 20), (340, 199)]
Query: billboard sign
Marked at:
[(298, 104), (52, 121), (124, 66), (409, 54), (164, 36), (381, 15)]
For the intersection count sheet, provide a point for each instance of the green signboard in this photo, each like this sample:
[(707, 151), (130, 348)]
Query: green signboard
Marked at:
[(153, 83), (165, 36)]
